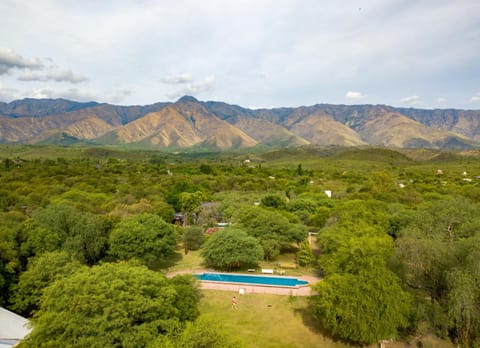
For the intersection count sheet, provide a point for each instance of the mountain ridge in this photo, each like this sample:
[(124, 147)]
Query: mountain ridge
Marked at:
[(189, 122)]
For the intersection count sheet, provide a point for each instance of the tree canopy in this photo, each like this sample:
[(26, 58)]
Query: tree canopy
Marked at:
[(231, 248), (146, 237), (365, 307), (42, 271), (110, 305)]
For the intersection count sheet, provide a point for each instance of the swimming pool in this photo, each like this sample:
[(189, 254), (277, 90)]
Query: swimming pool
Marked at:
[(251, 279)]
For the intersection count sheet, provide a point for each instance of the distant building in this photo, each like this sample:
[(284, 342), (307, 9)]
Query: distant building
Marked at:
[(13, 328), (178, 219)]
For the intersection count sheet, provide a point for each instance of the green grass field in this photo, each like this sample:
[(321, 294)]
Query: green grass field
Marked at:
[(191, 261), (266, 320), (274, 321)]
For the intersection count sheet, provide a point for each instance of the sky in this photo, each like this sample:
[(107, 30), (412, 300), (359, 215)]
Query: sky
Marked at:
[(253, 53)]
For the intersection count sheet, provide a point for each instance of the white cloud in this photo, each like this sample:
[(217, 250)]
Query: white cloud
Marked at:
[(441, 101), (53, 74), (115, 96), (413, 100), (193, 88), (475, 98), (71, 93), (355, 96), (177, 79), (331, 48), (10, 59), (119, 95), (9, 94)]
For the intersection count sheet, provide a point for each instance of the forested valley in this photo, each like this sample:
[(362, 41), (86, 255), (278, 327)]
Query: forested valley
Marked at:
[(87, 236)]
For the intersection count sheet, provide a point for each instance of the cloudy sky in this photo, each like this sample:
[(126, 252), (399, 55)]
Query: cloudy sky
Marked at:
[(255, 53)]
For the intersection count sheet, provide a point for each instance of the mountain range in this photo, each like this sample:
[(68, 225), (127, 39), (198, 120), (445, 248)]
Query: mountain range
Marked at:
[(189, 123)]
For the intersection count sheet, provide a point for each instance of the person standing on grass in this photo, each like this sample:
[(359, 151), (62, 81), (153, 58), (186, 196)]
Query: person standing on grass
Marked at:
[(234, 303)]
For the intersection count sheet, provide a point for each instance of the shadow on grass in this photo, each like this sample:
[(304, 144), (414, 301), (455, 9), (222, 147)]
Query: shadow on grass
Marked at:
[(164, 265), (315, 326)]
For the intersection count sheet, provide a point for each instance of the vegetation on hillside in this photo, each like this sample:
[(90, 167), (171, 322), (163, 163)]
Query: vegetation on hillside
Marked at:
[(397, 241)]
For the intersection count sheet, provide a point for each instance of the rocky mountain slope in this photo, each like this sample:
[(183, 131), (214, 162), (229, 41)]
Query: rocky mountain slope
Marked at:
[(189, 123)]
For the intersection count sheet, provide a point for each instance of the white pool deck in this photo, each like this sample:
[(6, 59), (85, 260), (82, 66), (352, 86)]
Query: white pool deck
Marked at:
[(255, 289)]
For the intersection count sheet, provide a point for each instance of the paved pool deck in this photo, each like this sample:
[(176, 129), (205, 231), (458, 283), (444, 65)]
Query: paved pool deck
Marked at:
[(255, 289)]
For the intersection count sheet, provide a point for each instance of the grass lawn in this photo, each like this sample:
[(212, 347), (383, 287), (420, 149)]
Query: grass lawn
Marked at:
[(190, 261), (266, 320), (274, 321)]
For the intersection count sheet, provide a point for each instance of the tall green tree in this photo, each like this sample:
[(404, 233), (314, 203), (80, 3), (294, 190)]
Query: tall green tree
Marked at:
[(37, 239), (9, 261), (305, 255), (88, 240), (463, 311), (42, 271), (231, 248), (83, 234), (146, 237), (205, 332), (110, 305), (437, 256), (266, 225), (273, 201), (189, 202), (188, 296), (365, 307), (348, 248), (193, 238)]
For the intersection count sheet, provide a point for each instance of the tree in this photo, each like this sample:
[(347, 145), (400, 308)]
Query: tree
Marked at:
[(319, 217), (164, 210), (271, 248), (231, 248), (303, 208), (428, 244), (88, 240), (146, 237), (462, 300), (42, 272), (299, 170), (437, 256), (266, 224), (188, 296), (364, 307), (205, 332), (37, 239), (83, 234), (193, 238), (273, 201), (348, 248), (305, 254), (57, 218), (189, 202), (110, 305), (9, 261)]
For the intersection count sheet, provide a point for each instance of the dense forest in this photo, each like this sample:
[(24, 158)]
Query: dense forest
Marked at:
[(87, 235)]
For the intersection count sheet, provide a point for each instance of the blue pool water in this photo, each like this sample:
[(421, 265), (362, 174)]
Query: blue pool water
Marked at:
[(251, 279)]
